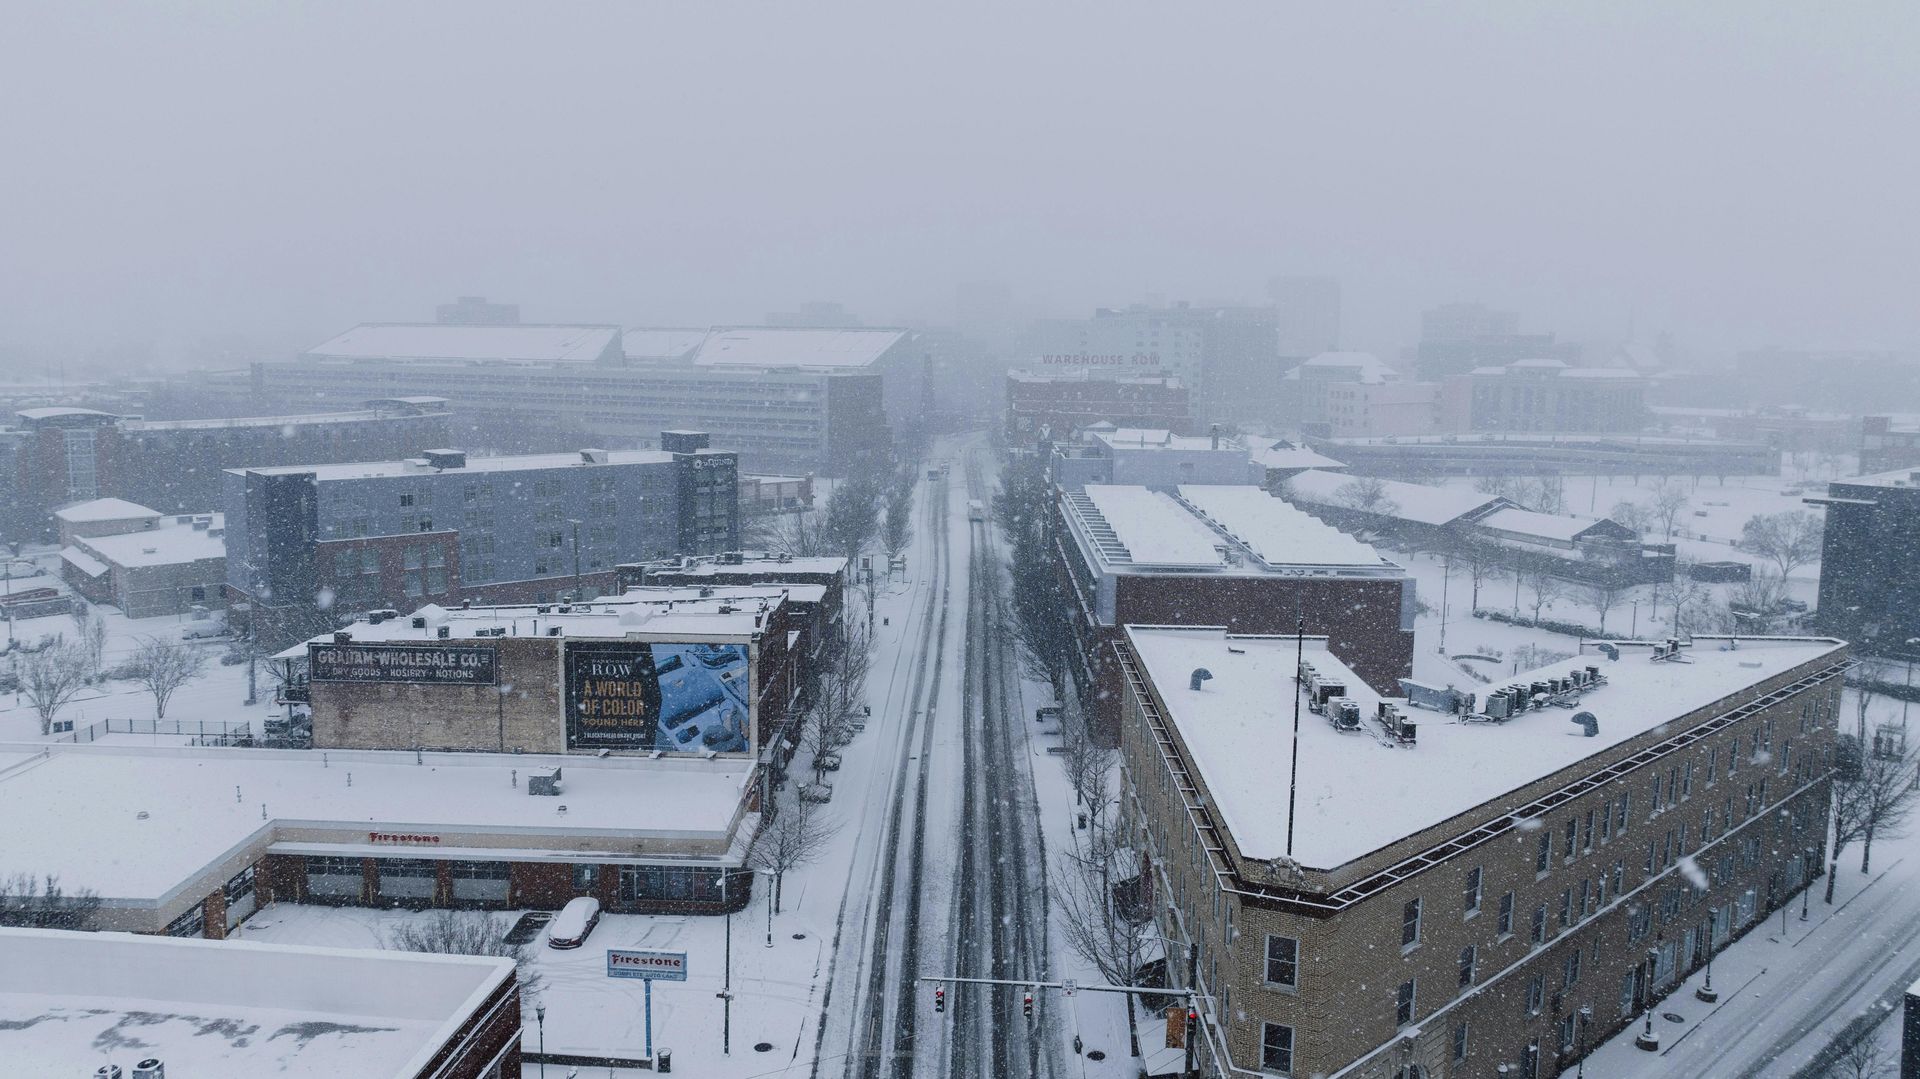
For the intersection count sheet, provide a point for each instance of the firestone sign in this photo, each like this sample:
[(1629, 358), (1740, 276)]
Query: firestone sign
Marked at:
[(402, 837), (651, 966), (456, 665)]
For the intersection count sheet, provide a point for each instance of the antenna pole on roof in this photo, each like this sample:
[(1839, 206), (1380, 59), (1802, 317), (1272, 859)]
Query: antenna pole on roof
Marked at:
[(1293, 776)]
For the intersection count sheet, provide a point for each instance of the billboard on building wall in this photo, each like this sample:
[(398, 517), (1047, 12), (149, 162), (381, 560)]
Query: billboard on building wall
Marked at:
[(647, 695), (453, 665)]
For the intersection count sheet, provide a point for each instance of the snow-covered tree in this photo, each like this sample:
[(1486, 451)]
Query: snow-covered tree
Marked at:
[(796, 836), (1789, 540), (162, 667), (1368, 494), (51, 677), (1669, 500), (42, 903), (467, 932)]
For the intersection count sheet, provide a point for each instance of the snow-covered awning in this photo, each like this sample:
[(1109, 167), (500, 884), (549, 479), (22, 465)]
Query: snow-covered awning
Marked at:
[(82, 561)]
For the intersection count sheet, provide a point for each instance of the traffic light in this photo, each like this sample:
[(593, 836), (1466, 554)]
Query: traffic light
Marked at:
[(939, 998), (1026, 1004)]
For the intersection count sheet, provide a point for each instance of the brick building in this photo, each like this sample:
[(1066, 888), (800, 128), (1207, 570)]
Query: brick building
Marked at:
[(171, 569), (1869, 581), (656, 671), (1052, 407), (1204, 555), (1448, 893)]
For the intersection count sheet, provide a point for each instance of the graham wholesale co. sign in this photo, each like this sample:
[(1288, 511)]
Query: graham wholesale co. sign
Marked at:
[(456, 665)]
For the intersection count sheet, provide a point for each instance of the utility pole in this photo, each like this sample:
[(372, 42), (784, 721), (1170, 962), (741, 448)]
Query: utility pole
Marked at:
[(1293, 777), (1193, 966), (726, 989)]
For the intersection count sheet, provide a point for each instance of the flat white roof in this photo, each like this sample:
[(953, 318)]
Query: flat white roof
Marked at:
[(1155, 438), (731, 611), (207, 1008), (83, 561), (815, 564), (1410, 501), (1300, 457), (1277, 532), (652, 343), (435, 341), (1153, 528), (167, 546), (354, 470), (73, 809), (103, 509), (795, 348), (1545, 525), (1358, 794)]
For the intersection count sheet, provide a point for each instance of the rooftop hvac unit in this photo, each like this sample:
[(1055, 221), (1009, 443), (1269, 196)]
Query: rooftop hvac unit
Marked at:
[(545, 786), (553, 631), (1499, 705), (150, 1068), (107, 1071), (732, 558), (1344, 714), (419, 621)]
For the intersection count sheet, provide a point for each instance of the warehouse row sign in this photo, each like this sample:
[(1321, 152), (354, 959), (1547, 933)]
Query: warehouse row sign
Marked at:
[(457, 665)]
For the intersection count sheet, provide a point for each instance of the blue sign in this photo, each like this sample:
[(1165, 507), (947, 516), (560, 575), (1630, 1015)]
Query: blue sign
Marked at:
[(651, 966)]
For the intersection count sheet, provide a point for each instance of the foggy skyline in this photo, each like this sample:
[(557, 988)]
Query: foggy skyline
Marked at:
[(269, 174)]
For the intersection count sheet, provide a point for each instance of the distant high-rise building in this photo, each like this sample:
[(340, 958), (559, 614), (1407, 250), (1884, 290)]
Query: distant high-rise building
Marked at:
[(1455, 338), (476, 311), (1307, 311), (1227, 356)]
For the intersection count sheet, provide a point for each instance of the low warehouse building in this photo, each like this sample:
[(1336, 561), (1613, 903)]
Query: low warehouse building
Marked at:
[(190, 841), (75, 1001)]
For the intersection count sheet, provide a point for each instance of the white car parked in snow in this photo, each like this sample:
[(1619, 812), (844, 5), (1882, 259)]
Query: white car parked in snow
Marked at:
[(570, 927)]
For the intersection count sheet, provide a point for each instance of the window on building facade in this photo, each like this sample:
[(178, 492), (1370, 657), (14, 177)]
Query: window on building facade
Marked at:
[(1540, 924), (1410, 923), (1467, 958), (1572, 841), (1283, 961), (1586, 834), (191, 924), (1570, 970), (1470, 895), (1543, 853), (1537, 994), (1505, 924), (1404, 1003), (1276, 1048), (1459, 1043)]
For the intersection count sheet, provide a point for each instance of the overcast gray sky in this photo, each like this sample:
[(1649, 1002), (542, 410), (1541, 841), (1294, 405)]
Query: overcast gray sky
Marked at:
[(260, 175)]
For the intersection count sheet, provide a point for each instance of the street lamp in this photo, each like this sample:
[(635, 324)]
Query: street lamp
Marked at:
[(540, 1018), (1647, 1039), (1586, 1016), (1706, 992)]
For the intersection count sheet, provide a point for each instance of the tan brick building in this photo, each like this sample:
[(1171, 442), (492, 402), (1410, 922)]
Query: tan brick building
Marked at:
[(1473, 887)]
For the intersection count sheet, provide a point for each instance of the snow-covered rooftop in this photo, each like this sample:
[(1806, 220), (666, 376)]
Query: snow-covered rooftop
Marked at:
[(1358, 793), (1551, 526), (229, 1008), (757, 347), (83, 561), (1150, 528), (54, 412), (728, 610), (74, 810), (1369, 366), (436, 341), (1410, 501), (1159, 438), (168, 546), (296, 420), (660, 343), (808, 565), (1278, 454), (103, 509), (1278, 533), (526, 462), (1899, 477)]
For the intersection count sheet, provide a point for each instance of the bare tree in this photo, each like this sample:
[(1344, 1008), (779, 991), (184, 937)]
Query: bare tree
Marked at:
[(1757, 600), (1499, 486), (1669, 499), (1103, 932), (1478, 559), (1789, 540), (1545, 587), (1544, 494), (1885, 794), (1368, 494), (796, 836), (851, 517), (163, 667), (1631, 515), (803, 535), (1089, 762), (1604, 595), (90, 634), (467, 932), (42, 903), (1863, 1058), (51, 677), (897, 523)]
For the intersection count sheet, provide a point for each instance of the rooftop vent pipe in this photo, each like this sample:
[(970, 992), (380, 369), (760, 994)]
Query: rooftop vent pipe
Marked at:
[(1589, 723), (1200, 674)]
